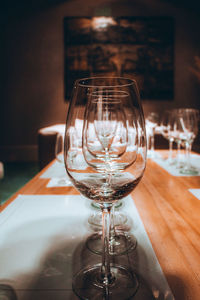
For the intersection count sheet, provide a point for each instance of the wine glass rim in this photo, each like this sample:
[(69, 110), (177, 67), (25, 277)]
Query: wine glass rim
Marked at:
[(81, 81)]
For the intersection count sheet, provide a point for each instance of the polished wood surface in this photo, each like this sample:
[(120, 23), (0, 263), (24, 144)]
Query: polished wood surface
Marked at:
[(171, 216)]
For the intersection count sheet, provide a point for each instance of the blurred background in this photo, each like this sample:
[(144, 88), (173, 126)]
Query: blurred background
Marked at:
[(32, 63)]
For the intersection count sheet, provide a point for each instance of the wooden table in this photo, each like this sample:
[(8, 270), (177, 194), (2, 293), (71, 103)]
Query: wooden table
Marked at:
[(171, 216)]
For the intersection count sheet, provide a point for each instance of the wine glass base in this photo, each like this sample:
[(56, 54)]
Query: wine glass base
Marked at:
[(120, 243), (88, 285), (189, 171)]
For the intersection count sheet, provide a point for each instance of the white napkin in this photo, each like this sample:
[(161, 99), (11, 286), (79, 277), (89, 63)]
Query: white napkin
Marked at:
[(173, 170), (56, 170), (42, 242), (56, 182), (195, 192)]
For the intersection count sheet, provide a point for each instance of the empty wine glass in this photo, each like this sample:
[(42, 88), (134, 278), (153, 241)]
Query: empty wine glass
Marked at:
[(151, 121), (59, 155), (59, 147), (186, 127), (167, 130), (175, 137), (114, 147)]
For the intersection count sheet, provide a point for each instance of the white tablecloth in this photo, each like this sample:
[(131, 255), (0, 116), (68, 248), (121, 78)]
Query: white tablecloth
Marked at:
[(42, 244), (172, 168)]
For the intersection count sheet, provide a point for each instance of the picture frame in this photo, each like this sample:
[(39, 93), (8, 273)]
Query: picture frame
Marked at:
[(141, 48)]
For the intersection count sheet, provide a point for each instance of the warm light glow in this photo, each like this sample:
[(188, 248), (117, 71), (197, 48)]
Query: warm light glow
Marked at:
[(99, 23)]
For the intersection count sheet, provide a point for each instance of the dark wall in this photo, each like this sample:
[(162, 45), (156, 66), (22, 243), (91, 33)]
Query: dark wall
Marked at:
[(32, 63)]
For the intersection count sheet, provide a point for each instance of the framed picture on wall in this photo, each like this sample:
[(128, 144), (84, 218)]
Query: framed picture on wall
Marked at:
[(135, 47)]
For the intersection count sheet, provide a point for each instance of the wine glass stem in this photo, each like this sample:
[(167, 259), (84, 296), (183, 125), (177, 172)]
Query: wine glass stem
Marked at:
[(112, 228), (106, 275)]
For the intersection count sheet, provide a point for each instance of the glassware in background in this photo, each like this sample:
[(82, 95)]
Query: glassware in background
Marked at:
[(59, 147), (167, 130), (114, 146), (186, 128), (175, 136), (152, 121), (59, 155)]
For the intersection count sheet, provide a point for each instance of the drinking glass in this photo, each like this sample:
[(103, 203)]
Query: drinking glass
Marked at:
[(186, 126), (59, 147), (114, 147), (174, 135), (167, 130), (151, 121), (59, 155)]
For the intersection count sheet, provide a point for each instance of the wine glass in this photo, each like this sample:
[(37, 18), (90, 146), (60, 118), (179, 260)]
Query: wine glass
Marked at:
[(167, 130), (114, 148), (151, 121), (59, 155), (59, 147), (186, 127)]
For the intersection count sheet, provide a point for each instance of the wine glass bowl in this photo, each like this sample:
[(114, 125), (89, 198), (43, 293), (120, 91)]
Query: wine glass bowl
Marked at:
[(107, 114), (105, 136)]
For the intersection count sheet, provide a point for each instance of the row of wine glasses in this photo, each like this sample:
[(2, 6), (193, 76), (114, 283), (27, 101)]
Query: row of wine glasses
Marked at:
[(113, 146), (181, 126), (121, 241)]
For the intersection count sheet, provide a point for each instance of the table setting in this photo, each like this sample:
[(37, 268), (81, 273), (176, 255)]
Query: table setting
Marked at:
[(105, 219)]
